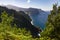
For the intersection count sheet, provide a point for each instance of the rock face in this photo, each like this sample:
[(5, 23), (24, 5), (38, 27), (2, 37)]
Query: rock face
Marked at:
[(22, 20)]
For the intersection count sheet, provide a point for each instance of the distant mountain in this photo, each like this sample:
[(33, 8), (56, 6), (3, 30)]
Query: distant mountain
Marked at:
[(33, 10), (16, 8)]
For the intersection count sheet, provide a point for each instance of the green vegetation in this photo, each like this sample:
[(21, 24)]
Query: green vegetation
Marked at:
[(7, 32), (52, 30), (11, 33)]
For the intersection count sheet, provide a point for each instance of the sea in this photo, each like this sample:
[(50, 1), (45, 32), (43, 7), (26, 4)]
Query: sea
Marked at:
[(40, 19)]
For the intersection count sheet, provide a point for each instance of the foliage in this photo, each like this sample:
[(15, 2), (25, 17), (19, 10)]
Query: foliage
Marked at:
[(7, 32), (52, 29)]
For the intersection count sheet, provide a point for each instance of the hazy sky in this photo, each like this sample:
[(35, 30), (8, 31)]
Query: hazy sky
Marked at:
[(41, 4)]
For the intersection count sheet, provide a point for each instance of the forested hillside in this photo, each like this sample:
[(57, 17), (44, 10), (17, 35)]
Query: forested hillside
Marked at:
[(10, 30), (7, 32)]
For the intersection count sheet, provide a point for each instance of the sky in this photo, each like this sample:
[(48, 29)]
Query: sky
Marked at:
[(40, 4)]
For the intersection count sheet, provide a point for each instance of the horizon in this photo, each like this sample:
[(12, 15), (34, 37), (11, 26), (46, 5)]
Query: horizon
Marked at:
[(45, 5)]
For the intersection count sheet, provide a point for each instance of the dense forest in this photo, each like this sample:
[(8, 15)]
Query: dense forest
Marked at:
[(10, 30)]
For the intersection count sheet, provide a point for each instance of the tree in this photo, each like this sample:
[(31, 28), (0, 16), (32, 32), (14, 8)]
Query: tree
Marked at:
[(53, 25)]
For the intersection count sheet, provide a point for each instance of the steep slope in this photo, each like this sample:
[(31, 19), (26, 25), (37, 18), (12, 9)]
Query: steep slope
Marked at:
[(22, 20)]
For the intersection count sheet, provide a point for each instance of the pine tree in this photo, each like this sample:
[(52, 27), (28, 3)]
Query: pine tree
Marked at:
[(53, 25)]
